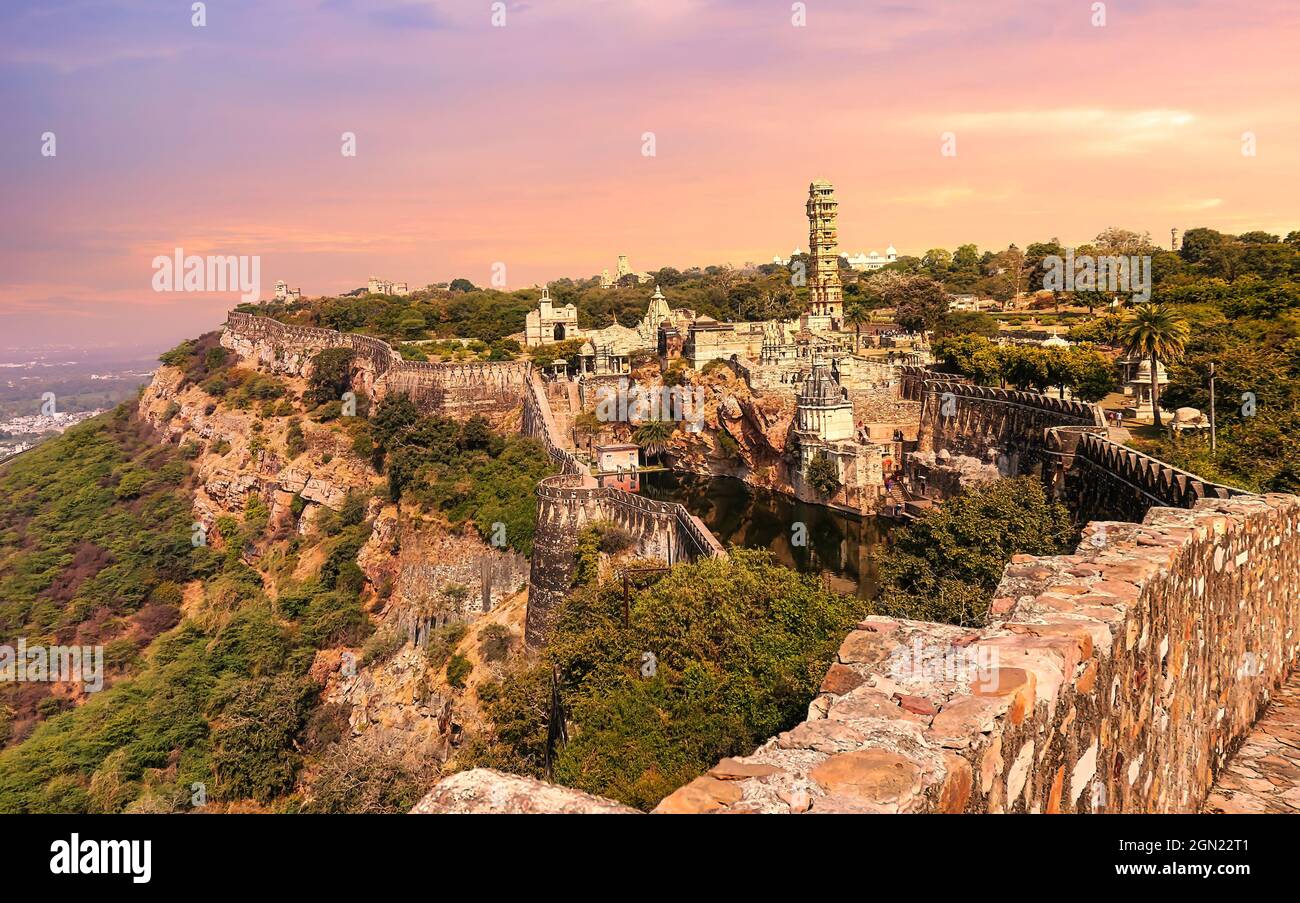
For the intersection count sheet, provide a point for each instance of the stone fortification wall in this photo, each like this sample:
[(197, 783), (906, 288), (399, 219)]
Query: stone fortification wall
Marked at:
[(1116, 679), (1002, 424), (453, 389), (1100, 478)]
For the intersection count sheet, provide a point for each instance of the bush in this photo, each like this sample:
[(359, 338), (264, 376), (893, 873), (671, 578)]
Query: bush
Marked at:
[(494, 641), (946, 565), (458, 668), (368, 778), (824, 476), (382, 646), (253, 751)]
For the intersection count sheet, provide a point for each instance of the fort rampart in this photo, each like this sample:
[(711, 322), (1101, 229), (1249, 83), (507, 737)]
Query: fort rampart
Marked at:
[(453, 389), (573, 499), (1099, 478), (1001, 424), (1116, 679)]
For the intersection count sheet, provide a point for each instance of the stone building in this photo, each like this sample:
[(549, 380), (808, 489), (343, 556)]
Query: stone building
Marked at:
[(284, 293), (377, 286), (618, 465), (868, 262), (546, 323), (824, 428)]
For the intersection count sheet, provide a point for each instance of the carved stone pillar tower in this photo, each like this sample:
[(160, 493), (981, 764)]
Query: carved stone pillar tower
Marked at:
[(825, 294)]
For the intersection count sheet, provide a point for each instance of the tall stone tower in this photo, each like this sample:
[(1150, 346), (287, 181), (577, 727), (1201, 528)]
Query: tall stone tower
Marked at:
[(826, 295)]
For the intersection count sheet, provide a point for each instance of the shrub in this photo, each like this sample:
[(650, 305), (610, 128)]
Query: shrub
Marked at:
[(458, 668), (382, 646), (494, 640)]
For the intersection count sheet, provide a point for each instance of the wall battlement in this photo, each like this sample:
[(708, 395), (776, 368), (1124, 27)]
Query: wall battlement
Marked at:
[(1005, 426), (1100, 478), (570, 500), (454, 389)]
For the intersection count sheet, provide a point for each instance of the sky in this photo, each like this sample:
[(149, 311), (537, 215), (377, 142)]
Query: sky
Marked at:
[(524, 145)]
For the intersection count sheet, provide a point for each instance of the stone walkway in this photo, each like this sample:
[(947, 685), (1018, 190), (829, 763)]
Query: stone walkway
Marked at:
[(1264, 776)]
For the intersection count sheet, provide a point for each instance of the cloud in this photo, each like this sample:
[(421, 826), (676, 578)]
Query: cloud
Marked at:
[(1092, 130)]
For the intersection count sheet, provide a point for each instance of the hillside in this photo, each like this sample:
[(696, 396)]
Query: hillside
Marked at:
[(255, 585)]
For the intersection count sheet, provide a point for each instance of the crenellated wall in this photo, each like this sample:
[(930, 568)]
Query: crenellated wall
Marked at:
[(571, 500), (568, 502), (1101, 479), (454, 389), (1119, 678), (914, 378), (1002, 424)]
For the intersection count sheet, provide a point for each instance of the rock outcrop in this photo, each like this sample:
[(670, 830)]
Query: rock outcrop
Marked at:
[(483, 790)]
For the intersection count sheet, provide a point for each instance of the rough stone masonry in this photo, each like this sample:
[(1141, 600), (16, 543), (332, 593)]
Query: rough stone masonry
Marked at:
[(1119, 678)]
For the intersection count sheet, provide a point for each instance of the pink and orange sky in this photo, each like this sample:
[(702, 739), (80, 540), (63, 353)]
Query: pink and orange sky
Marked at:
[(478, 144)]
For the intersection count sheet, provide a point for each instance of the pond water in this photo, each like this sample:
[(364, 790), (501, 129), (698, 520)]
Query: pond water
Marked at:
[(839, 546)]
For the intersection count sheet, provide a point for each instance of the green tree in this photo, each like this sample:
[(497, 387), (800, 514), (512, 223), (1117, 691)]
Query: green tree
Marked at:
[(715, 658), (331, 376), (1155, 332), (919, 303), (945, 565), (824, 475)]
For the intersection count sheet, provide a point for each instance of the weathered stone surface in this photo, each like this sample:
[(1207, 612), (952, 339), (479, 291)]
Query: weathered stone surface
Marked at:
[(704, 794), (485, 791), (963, 719), (840, 679), (878, 779), (1103, 692), (866, 647), (955, 793), (826, 735), (735, 769), (1265, 774)]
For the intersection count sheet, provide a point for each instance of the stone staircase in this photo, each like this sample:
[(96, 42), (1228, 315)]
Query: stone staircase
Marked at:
[(562, 395)]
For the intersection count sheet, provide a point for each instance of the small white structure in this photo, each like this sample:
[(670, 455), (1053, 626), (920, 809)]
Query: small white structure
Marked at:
[(284, 293), (873, 261), (377, 286), (1140, 387), (547, 323)]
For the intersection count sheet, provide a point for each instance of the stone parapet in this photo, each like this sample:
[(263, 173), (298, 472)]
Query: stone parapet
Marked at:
[(457, 389), (1116, 679), (1099, 477)]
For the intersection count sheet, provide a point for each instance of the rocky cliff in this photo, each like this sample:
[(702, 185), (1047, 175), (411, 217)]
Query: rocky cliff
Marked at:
[(396, 696)]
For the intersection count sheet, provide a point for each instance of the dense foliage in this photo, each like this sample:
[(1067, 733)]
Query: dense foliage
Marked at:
[(462, 469), (1086, 372), (94, 543), (945, 565), (715, 658), (216, 707)]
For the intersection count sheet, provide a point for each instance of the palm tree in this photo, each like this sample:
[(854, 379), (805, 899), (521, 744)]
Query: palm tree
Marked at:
[(653, 435), (855, 314), (1155, 332)]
